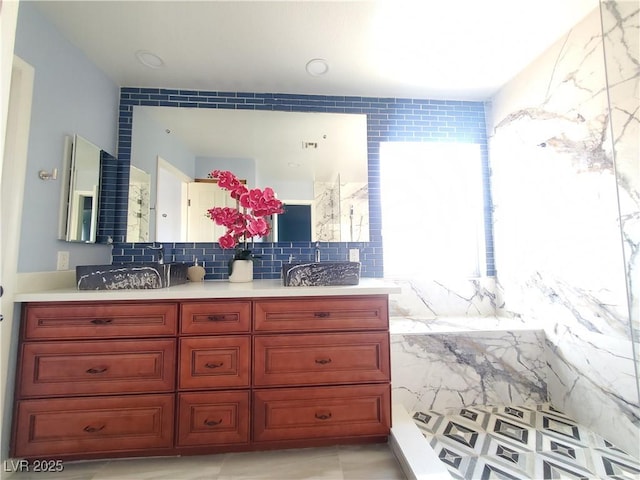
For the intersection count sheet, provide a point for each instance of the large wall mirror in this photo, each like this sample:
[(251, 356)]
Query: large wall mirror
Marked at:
[(316, 163)]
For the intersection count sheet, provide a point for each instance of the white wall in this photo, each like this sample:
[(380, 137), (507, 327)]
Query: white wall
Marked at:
[(71, 95)]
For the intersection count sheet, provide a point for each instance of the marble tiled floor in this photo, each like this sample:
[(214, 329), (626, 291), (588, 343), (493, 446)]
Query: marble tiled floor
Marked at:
[(521, 443), (353, 462)]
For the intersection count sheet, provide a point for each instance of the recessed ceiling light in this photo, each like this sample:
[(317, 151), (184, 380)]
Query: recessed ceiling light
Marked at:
[(317, 67), (149, 59)]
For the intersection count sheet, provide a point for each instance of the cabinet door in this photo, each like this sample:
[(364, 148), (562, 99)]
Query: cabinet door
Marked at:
[(321, 359), (76, 320), (321, 314), (92, 367), (213, 418), (202, 318), (314, 412), (76, 426), (214, 362)]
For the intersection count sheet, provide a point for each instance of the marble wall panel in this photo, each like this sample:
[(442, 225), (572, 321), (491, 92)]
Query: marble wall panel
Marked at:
[(621, 26), (440, 371), (557, 224), (428, 299)]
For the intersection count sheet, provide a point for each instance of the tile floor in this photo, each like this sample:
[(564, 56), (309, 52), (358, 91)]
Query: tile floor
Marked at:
[(362, 462), (526, 442)]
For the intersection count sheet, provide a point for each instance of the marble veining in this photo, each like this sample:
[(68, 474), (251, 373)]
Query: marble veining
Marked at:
[(566, 195), (439, 370)]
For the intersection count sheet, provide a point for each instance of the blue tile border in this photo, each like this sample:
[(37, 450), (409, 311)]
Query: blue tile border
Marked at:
[(388, 119)]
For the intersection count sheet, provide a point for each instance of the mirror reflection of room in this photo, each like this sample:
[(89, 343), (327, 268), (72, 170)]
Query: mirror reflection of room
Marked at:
[(84, 184), (315, 161), (138, 205)]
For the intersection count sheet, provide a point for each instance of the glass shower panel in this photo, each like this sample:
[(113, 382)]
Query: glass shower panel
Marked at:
[(620, 25)]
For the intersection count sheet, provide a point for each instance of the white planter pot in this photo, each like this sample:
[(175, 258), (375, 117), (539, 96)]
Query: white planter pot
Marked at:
[(241, 271)]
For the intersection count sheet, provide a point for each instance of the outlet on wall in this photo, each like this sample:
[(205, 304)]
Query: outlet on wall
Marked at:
[(63, 261), (354, 255)]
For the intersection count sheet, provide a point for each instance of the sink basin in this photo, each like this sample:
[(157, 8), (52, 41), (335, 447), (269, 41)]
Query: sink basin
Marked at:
[(130, 276), (320, 274)]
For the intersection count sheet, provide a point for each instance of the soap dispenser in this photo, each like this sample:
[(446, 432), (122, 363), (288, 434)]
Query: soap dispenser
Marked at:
[(196, 272)]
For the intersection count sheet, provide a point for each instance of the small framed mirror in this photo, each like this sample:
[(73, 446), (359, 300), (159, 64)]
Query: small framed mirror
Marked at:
[(81, 190)]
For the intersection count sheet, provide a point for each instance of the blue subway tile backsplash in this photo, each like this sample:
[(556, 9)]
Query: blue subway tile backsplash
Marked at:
[(388, 119)]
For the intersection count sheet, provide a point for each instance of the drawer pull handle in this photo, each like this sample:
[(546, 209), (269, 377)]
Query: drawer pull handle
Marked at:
[(214, 365), (323, 361), (216, 318), (102, 321), (323, 416), (322, 314), (90, 429), (212, 423), (97, 370)]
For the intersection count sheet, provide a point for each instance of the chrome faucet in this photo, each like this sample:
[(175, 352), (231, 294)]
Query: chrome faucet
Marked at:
[(317, 253), (160, 251)]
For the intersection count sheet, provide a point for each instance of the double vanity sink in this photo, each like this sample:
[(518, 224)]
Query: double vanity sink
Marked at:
[(131, 276), (320, 274), (153, 275)]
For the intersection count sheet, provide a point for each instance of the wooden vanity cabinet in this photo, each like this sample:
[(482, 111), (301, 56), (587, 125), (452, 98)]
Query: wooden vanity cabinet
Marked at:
[(95, 379), (214, 373), (136, 378), (321, 370)]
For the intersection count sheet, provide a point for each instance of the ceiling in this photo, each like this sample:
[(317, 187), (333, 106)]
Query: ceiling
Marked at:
[(440, 49)]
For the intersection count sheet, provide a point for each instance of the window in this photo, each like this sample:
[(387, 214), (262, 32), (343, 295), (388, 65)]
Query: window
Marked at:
[(432, 209)]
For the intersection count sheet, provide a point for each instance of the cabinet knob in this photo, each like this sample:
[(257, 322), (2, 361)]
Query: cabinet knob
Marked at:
[(97, 370), (323, 361), (214, 365), (321, 314), (212, 423), (323, 415), (102, 321)]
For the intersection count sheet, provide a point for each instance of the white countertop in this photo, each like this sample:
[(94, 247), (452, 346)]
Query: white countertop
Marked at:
[(211, 289)]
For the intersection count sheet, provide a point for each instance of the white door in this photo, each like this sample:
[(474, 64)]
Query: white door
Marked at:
[(171, 206), (202, 197)]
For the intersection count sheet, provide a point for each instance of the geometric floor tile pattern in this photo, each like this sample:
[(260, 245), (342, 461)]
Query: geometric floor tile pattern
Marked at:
[(519, 443)]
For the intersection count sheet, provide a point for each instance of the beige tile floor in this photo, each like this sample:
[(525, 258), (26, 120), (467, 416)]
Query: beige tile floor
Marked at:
[(361, 462)]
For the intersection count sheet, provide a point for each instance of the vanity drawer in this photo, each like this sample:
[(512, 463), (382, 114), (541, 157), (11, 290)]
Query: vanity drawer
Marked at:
[(70, 320), (213, 418), (319, 359), (93, 367), (75, 426), (214, 362), (314, 412), (198, 318), (317, 314)]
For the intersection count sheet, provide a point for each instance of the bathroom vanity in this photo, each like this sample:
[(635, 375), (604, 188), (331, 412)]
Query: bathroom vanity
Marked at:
[(201, 368)]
